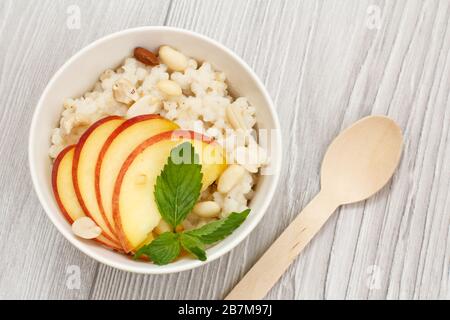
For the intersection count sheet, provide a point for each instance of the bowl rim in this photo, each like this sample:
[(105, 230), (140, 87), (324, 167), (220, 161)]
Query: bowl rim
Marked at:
[(169, 268)]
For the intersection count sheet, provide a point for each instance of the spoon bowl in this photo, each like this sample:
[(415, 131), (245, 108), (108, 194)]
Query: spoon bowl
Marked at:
[(361, 160)]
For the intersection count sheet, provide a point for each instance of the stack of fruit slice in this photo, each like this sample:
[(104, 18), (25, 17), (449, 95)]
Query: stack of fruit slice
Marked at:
[(110, 175)]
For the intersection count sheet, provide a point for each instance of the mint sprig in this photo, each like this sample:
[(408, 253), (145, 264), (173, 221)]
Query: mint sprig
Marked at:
[(178, 186), (162, 250), (176, 191), (167, 246), (193, 245), (220, 229)]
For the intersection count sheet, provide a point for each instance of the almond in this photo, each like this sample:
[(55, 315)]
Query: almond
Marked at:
[(175, 60), (146, 56), (230, 178), (86, 228), (206, 209), (169, 87)]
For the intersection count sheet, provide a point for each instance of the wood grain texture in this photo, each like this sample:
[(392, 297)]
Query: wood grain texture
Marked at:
[(325, 67)]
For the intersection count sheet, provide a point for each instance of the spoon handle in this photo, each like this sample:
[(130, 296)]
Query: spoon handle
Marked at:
[(271, 266)]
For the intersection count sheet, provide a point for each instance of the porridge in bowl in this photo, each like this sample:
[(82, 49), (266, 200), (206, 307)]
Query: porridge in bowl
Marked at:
[(158, 160)]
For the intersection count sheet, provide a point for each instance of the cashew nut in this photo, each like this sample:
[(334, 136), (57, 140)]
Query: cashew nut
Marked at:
[(125, 92)]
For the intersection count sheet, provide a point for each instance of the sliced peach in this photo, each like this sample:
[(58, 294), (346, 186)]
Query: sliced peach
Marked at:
[(115, 151), (83, 171), (64, 192), (134, 208)]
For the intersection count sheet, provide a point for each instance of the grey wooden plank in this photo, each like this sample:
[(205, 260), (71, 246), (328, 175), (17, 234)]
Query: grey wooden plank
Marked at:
[(325, 67), (404, 97), (35, 41)]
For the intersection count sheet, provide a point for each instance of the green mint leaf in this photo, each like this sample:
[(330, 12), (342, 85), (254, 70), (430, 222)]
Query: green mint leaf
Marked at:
[(193, 245), (162, 250), (220, 229), (178, 186)]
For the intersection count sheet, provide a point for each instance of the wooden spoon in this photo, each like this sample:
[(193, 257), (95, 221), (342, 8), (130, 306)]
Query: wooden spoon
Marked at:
[(358, 163)]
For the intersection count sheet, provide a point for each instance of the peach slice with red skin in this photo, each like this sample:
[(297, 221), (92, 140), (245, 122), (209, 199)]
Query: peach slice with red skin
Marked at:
[(115, 151), (64, 192), (135, 210), (83, 170)]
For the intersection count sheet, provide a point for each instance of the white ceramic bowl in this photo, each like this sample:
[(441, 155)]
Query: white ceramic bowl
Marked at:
[(80, 73)]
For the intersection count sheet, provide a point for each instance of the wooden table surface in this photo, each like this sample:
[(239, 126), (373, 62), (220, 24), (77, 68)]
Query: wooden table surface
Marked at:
[(325, 64)]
